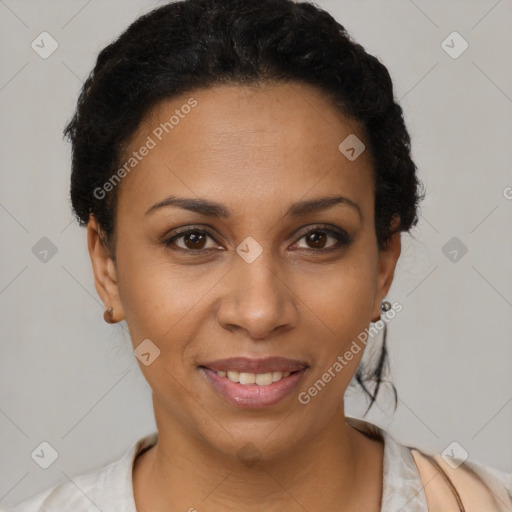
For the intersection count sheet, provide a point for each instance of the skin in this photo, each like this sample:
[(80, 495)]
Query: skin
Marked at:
[(256, 150)]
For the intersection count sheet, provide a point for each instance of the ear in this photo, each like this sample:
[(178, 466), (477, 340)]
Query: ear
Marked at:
[(105, 276), (388, 259)]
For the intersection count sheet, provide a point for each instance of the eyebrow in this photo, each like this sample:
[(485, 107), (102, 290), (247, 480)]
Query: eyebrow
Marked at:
[(214, 209)]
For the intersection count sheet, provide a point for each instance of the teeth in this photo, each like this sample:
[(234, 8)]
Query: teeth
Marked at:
[(261, 379), (277, 376), (233, 376), (247, 378), (264, 379)]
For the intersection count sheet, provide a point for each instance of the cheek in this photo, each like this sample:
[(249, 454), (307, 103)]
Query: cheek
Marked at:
[(160, 298), (150, 297), (345, 313), (159, 306), (345, 297), (341, 305)]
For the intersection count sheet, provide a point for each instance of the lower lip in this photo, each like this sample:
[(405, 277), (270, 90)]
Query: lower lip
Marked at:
[(252, 396)]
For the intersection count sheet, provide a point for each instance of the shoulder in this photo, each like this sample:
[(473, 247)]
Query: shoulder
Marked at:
[(450, 483), (417, 479), (77, 495), (108, 488)]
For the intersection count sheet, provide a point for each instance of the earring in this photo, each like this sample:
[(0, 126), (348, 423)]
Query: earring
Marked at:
[(108, 316), (385, 306)]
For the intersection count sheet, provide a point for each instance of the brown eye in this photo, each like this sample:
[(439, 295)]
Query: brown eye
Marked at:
[(192, 240), (195, 240), (317, 239)]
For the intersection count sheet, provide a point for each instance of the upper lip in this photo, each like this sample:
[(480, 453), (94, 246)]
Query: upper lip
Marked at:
[(247, 365)]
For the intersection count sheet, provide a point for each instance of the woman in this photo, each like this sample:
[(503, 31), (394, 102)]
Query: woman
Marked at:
[(245, 176)]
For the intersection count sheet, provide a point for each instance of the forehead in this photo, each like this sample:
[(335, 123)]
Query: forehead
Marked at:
[(239, 142)]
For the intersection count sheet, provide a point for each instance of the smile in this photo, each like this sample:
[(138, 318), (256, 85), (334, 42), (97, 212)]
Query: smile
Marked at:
[(254, 383)]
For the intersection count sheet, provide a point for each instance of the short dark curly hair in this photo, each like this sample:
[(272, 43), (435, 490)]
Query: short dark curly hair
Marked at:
[(192, 44)]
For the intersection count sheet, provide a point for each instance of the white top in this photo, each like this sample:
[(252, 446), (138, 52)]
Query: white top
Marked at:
[(110, 489)]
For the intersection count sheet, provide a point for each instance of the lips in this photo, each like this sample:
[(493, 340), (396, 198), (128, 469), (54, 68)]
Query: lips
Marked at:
[(254, 383), (247, 365)]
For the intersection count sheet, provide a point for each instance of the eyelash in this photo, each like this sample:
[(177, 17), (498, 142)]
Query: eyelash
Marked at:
[(343, 238)]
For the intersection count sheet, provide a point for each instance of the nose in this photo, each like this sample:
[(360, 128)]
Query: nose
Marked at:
[(258, 298)]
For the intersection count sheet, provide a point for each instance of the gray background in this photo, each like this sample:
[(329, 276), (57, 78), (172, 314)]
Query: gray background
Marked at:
[(71, 380)]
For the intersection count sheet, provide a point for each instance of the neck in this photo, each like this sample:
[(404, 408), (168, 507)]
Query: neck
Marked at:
[(337, 469)]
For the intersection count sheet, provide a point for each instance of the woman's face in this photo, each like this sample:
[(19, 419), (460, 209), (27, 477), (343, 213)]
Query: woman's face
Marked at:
[(267, 271)]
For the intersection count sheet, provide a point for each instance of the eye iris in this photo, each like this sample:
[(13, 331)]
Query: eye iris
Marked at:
[(317, 237), (196, 240)]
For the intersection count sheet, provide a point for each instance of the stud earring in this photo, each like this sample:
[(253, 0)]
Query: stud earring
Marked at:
[(385, 306), (108, 316)]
